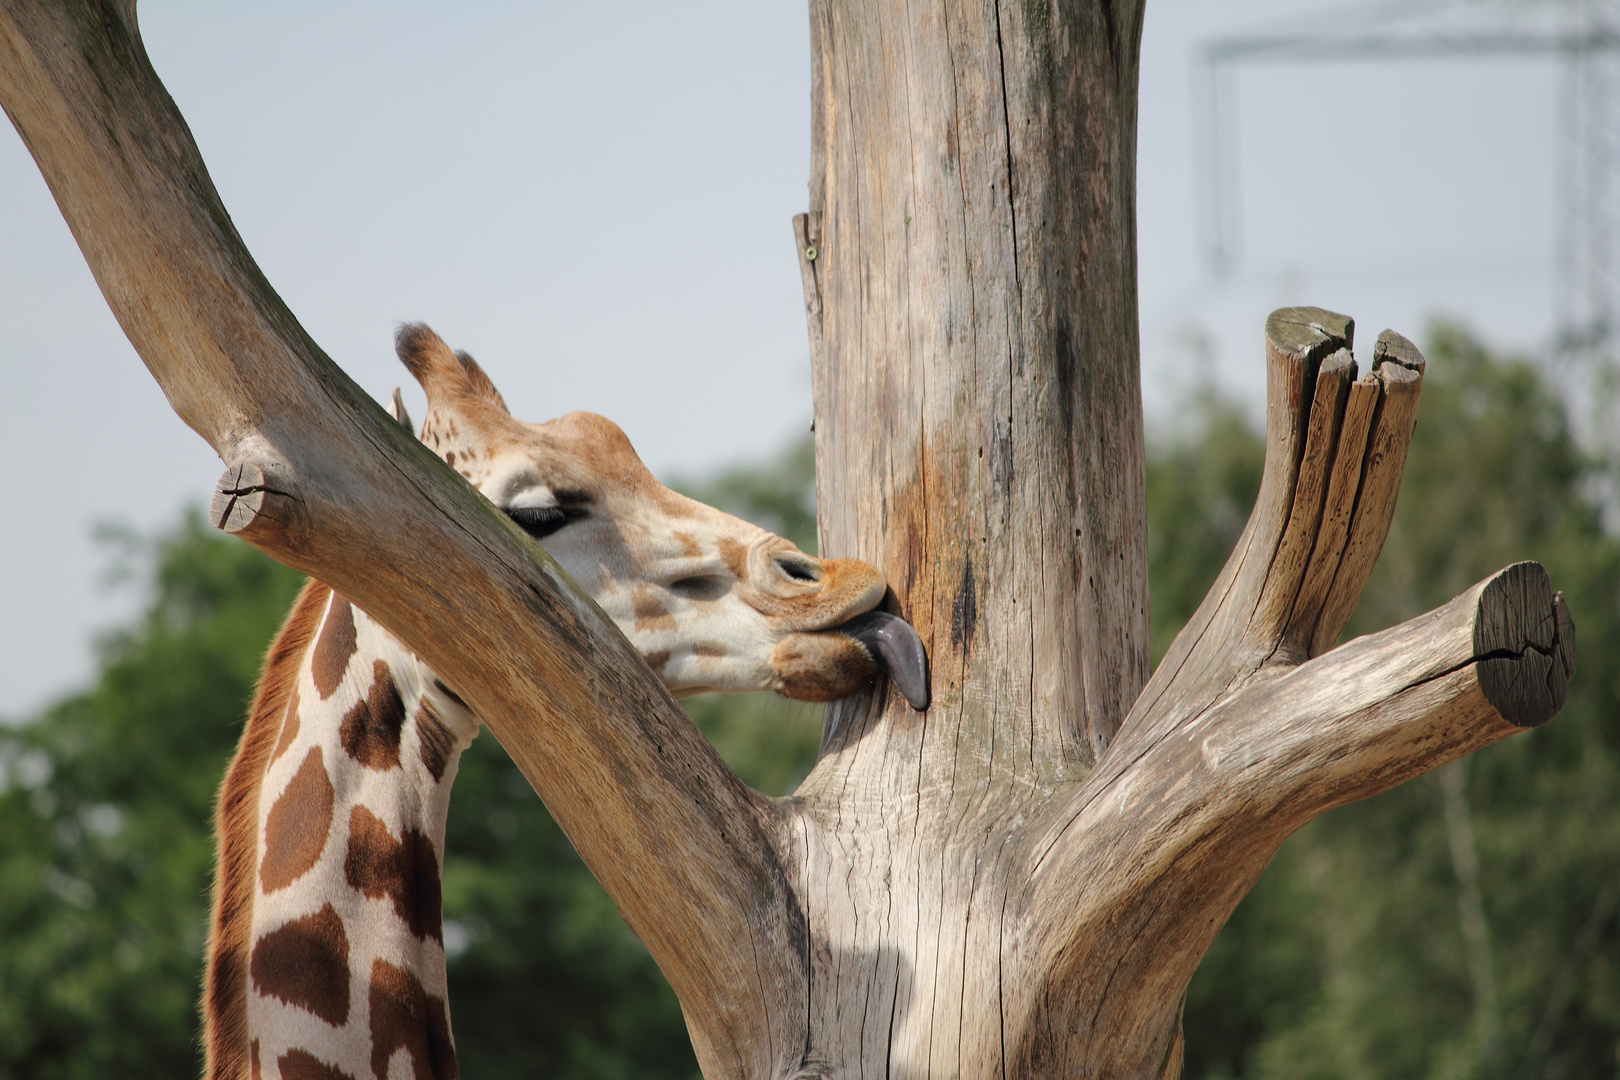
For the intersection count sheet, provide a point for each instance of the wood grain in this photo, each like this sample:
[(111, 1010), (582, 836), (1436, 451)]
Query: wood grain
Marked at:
[(1140, 869), (972, 317)]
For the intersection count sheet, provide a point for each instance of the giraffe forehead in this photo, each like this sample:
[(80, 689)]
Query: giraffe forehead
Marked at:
[(585, 459), (693, 531), (580, 450)]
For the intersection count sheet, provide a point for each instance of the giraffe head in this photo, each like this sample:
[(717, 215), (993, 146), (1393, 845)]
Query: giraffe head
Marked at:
[(710, 601)]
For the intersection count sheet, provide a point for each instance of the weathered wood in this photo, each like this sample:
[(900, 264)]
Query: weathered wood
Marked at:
[(1143, 865), (1336, 514), (1528, 640), (1399, 368), (972, 315), (1018, 881), (255, 494)]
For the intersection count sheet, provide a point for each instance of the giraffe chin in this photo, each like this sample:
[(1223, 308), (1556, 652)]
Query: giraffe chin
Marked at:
[(835, 663)]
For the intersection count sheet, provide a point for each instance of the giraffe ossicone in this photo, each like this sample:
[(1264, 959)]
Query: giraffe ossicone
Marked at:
[(326, 956)]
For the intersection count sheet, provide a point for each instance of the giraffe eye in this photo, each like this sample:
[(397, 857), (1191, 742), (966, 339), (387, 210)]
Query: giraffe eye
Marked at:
[(541, 521)]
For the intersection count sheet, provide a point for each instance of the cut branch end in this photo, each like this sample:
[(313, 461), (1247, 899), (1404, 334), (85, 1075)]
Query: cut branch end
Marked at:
[(255, 501), (1525, 639)]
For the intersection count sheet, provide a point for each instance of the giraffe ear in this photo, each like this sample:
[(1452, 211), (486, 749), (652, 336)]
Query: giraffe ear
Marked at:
[(403, 417), (481, 384), (444, 375)]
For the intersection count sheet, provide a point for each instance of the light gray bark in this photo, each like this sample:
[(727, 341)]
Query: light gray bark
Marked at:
[(1020, 882)]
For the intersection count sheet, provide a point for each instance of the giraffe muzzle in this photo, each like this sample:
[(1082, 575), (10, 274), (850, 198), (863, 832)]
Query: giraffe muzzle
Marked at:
[(895, 647)]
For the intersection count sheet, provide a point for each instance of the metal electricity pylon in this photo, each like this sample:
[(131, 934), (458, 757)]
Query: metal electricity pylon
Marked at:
[(1584, 35)]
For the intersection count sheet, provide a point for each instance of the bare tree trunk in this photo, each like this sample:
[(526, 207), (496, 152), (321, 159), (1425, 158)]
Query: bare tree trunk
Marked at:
[(973, 324), (972, 309), (1019, 882)]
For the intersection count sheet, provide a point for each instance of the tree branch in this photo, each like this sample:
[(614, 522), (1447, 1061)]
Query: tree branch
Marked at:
[(1142, 868), (322, 479)]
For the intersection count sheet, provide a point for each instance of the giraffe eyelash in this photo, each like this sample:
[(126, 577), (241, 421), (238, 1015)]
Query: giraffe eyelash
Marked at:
[(541, 521)]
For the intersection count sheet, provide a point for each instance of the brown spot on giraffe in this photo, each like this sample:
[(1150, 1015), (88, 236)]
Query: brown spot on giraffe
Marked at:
[(302, 1065), (709, 648), (657, 660), (735, 556), (289, 726), (433, 740), (336, 645), (296, 828), (306, 964), (253, 1056), (406, 871), (650, 611), (404, 1015), (370, 730), (689, 546)]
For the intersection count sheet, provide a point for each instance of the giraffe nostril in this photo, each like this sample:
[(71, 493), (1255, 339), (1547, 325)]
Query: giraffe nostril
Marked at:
[(798, 569)]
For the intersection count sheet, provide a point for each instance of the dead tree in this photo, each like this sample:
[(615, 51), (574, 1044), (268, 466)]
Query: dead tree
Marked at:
[(1021, 881)]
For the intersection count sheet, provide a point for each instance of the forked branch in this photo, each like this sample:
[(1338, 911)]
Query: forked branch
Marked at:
[(1249, 729)]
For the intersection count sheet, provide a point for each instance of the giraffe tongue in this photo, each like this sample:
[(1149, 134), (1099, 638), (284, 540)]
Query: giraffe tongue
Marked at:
[(897, 650)]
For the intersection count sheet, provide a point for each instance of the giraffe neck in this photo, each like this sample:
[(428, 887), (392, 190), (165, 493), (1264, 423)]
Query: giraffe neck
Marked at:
[(327, 958)]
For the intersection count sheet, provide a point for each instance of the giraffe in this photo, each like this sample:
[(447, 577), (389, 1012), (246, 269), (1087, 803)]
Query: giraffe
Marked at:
[(326, 955)]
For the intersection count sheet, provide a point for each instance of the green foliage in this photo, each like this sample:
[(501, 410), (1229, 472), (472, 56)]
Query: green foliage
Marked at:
[(1200, 486), (550, 982), (105, 801), (1350, 958)]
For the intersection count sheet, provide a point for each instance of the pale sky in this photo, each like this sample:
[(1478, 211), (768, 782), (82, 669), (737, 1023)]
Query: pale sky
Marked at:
[(594, 199)]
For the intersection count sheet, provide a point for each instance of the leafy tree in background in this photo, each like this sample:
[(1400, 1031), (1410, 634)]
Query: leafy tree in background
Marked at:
[(1463, 925), (1460, 926), (105, 801), (1201, 485)]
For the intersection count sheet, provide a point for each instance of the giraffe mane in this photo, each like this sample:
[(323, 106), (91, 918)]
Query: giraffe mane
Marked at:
[(224, 1002)]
